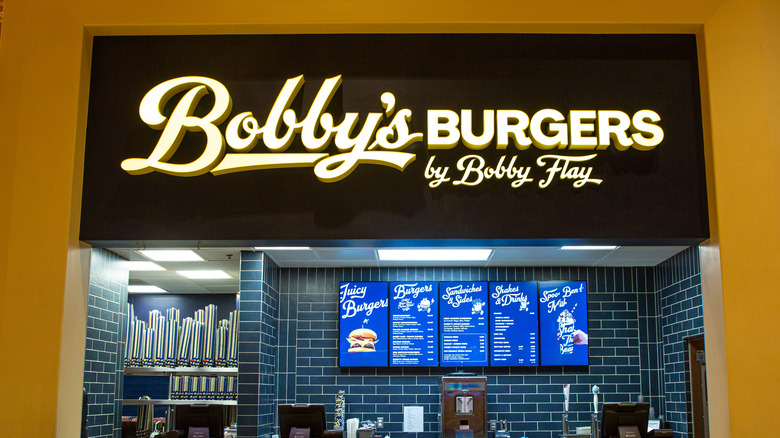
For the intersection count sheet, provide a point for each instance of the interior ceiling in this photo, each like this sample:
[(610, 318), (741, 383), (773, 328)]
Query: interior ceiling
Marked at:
[(227, 259)]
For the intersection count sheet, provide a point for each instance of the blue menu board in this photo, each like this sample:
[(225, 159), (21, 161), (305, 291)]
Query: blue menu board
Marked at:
[(363, 316), (563, 319), (463, 311), (414, 324), (513, 324)]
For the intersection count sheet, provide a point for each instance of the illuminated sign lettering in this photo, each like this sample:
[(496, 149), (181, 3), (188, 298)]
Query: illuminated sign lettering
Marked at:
[(383, 137)]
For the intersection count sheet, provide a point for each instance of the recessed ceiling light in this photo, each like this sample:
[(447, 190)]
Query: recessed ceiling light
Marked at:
[(144, 289), (282, 248), (589, 247), (434, 254), (176, 255), (204, 274), (144, 266)]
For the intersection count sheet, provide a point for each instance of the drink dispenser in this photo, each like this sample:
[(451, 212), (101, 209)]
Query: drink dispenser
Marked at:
[(464, 407)]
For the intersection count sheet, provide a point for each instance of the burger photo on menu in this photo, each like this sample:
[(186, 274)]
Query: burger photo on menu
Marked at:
[(362, 340)]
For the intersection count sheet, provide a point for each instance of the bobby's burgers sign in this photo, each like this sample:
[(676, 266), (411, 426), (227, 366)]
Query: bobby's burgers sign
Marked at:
[(382, 138), (388, 137)]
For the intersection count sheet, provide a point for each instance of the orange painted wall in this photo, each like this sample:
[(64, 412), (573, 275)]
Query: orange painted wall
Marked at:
[(743, 51), (44, 54)]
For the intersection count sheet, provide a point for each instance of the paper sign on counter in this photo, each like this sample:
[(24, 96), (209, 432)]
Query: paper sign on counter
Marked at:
[(413, 418)]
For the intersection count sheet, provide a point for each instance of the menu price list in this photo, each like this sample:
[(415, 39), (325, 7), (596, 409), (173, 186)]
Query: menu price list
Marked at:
[(464, 323), (515, 352), (465, 349), (513, 324), (414, 330)]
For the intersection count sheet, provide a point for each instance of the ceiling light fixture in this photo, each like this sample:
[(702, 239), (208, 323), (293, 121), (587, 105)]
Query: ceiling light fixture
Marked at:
[(434, 254), (175, 255), (144, 266), (281, 248), (589, 247), (204, 274), (145, 289)]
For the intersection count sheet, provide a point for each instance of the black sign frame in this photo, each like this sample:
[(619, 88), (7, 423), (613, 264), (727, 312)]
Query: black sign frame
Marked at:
[(652, 197)]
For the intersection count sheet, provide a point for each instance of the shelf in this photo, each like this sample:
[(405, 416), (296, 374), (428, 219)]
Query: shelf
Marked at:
[(162, 371), (133, 402)]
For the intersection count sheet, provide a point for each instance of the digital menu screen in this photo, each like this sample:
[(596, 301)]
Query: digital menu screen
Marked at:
[(414, 324), (363, 318), (563, 322), (513, 324), (463, 309)]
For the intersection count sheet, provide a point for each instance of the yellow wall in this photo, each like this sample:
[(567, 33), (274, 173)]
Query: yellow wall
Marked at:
[(743, 51), (44, 54)]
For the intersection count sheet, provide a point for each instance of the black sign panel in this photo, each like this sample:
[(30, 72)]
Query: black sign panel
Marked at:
[(394, 137)]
